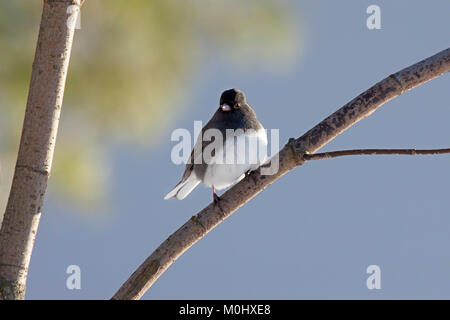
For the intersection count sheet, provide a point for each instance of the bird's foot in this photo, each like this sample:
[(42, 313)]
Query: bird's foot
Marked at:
[(249, 174), (217, 200)]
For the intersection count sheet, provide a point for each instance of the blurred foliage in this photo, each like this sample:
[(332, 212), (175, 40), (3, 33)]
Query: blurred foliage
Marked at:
[(132, 61)]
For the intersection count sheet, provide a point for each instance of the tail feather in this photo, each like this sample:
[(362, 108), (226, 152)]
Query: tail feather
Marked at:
[(182, 189)]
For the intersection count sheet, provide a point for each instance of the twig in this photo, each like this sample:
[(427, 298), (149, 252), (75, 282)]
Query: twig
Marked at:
[(411, 152), (290, 157)]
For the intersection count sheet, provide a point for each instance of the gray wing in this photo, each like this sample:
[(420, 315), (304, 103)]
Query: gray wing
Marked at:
[(197, 154)]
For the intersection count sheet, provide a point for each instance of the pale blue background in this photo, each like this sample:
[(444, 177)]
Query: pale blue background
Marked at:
[(313, 233)]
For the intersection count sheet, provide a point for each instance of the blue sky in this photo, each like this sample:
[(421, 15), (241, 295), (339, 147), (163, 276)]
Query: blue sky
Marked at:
[(313, 233)]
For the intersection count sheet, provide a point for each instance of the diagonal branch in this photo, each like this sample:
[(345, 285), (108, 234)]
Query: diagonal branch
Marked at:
[(354, 152), (291, 156)]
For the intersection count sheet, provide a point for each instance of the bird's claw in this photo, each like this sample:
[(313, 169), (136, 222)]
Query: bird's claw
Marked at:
[(217, 200), (249, 174)]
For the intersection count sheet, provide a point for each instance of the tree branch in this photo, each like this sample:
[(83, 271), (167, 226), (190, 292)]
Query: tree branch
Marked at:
[(34, 161), (291, 156), (340, 153)]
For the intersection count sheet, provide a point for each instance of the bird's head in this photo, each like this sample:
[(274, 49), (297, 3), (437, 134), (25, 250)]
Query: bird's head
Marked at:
[(232, 99)]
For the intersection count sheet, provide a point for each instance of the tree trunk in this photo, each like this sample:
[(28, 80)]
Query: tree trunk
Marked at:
[(34, 161)]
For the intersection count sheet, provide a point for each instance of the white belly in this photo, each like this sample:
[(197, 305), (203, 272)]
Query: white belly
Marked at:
[(247, 152)]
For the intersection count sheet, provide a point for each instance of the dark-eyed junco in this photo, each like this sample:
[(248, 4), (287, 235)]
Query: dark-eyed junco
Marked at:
[(230, 145)]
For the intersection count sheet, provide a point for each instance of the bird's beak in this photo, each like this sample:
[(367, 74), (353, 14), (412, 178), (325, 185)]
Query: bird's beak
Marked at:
[(225, 107)]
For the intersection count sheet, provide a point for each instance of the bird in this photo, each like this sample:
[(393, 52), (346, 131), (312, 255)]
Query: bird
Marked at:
[(233, 115)]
